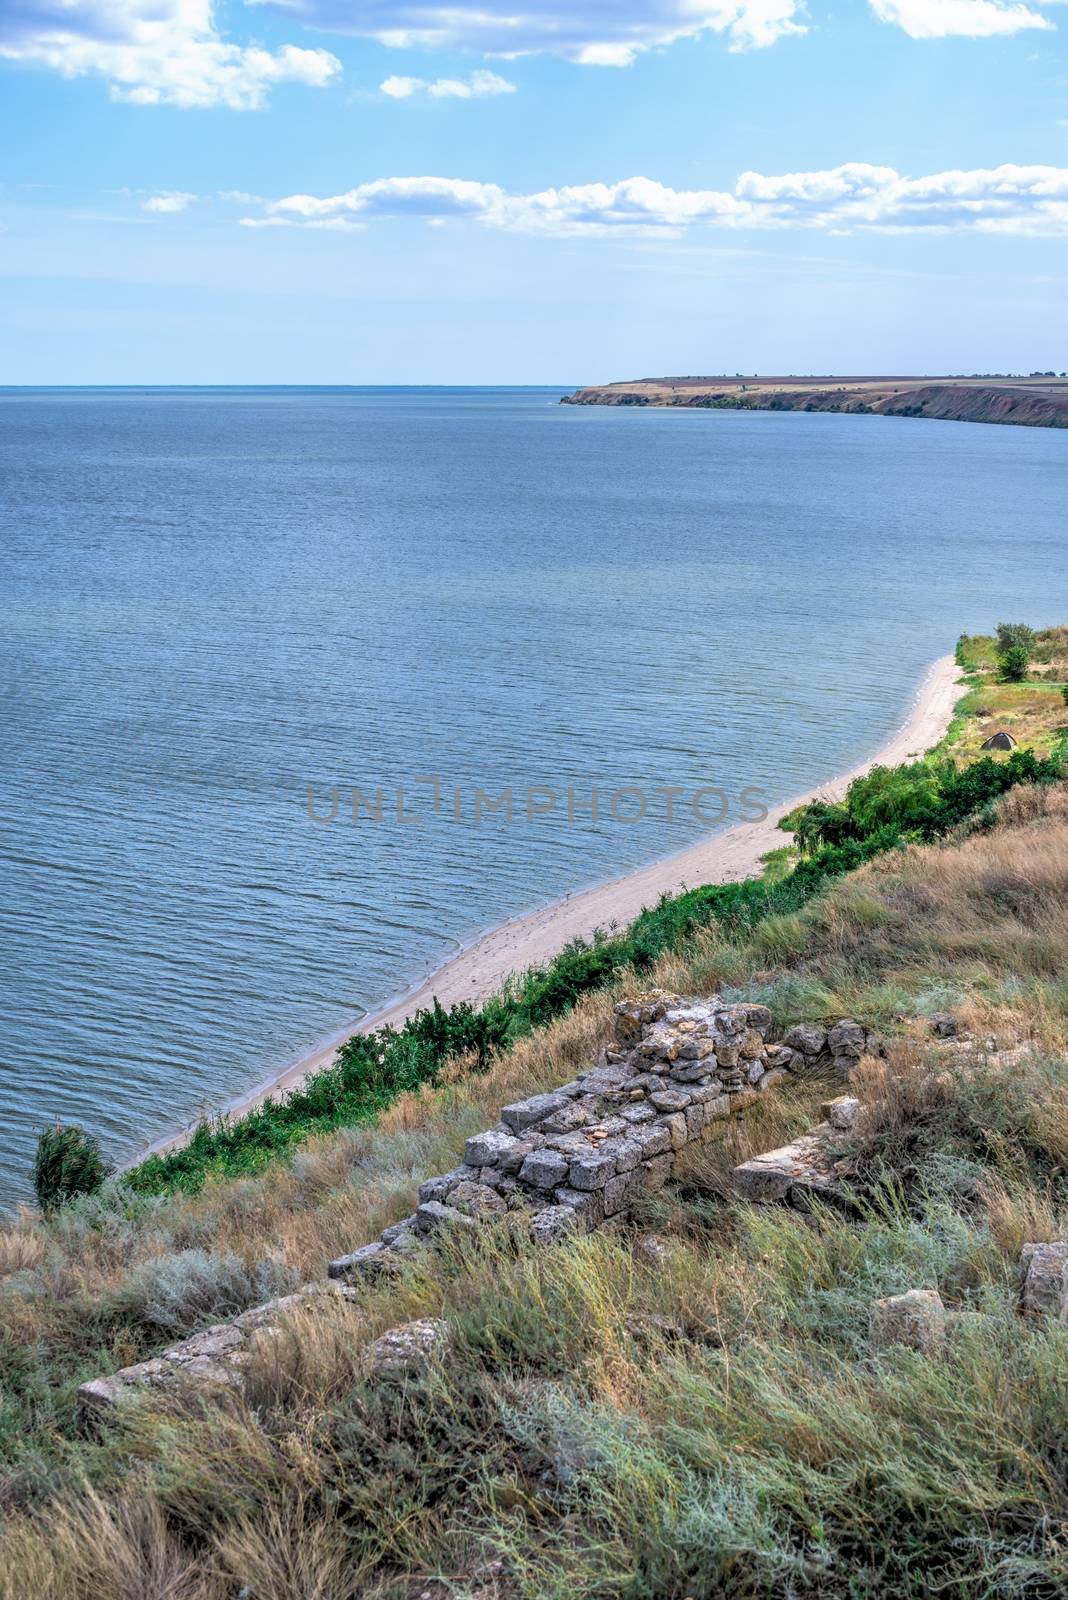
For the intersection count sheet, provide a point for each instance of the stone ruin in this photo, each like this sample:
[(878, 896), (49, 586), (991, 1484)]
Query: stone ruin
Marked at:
[(568, 1160), (574, 1157), (565, 1162)]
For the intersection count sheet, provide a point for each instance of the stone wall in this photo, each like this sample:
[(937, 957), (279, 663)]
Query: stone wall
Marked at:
[(567, 1160), (573, 1157)]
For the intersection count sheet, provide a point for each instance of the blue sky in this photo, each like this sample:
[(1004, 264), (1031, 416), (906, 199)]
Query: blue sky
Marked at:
[(566, 191)]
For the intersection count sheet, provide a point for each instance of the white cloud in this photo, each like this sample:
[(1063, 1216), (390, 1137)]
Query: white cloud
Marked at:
[(324, 224), (602, 33), (970, 19), (170, 200), (480, 85), (154, 52), (854, 196)]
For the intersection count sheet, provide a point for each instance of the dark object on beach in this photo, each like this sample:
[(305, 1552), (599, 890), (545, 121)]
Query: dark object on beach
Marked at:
[(69, 1162), (999, 741)]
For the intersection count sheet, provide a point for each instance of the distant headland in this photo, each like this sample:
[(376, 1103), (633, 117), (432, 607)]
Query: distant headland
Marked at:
[(1039, 400)]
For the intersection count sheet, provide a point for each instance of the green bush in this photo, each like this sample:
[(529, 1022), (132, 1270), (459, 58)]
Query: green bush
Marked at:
[(1015, 636), (69, 1162), (1064, 693), (1014, 663)]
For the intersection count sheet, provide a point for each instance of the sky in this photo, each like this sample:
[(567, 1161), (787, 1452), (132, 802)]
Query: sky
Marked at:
[(530, 191)]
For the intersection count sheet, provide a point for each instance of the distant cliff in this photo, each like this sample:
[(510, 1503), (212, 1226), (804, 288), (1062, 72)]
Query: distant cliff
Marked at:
[(1024, 403)]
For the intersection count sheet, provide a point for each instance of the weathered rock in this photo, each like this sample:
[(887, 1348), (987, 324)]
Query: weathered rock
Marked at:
[(544, 1169), (846, 1038), (631, 1015), (215, 1355), (485, 1150), (526, 1113), (807, 1038), (591, 1171), (916, 1319), (669, 1100), (398, 1230), (587, 1204), (652, 1250), (772, 1079), (655, 1173), (553, 1223), (1044, 1280), (432, 1215), (440, 1188), (841, 1112), (618, 1190), (405, 1351), (944, 1025), (368, 1259), (794, 1174), (476, 1200)]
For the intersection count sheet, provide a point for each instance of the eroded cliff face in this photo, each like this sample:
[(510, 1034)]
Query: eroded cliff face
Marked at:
[(954, 402)]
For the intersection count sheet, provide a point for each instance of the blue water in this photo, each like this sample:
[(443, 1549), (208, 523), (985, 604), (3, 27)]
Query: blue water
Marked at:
[(213, 598)]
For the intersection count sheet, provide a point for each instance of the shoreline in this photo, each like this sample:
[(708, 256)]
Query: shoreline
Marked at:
[(532, 938)]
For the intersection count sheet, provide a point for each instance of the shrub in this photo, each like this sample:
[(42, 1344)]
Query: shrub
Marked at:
[(185, 1289), (1015, 636), (69, 1162), (1014, 663), (1064, 693)]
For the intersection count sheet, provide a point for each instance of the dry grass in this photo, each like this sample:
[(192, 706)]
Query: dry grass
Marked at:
[(1034, 712), (636, 1418)]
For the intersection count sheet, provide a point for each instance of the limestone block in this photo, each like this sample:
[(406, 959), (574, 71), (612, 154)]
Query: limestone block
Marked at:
[(916, 1319), (544, 1169), (485, 1150), (1044, 1280), (408, 1350)]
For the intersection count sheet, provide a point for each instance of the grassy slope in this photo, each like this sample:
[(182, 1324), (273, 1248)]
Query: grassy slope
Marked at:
[(372, 1069), (756, 1450), (1034, 712)]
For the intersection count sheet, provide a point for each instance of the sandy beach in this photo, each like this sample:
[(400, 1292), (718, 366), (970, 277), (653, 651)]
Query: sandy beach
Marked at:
[(531, 940)]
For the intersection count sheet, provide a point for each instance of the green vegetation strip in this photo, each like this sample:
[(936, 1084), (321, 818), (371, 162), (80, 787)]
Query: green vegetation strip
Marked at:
[(917, 802)]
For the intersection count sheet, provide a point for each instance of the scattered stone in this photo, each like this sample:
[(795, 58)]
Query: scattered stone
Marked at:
[(652, 1250), (407, 1350), (792, 1175), (771, 1079), (1044, 1280), (944, 1025), (397, 1230), (570, 1157), (916, 1319), (841, 1113)]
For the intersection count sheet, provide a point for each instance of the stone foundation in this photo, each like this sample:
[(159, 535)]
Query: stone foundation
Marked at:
[(565, 1161)]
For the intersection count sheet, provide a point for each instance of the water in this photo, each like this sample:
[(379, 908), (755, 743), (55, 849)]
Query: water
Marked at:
[(213, 598)]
